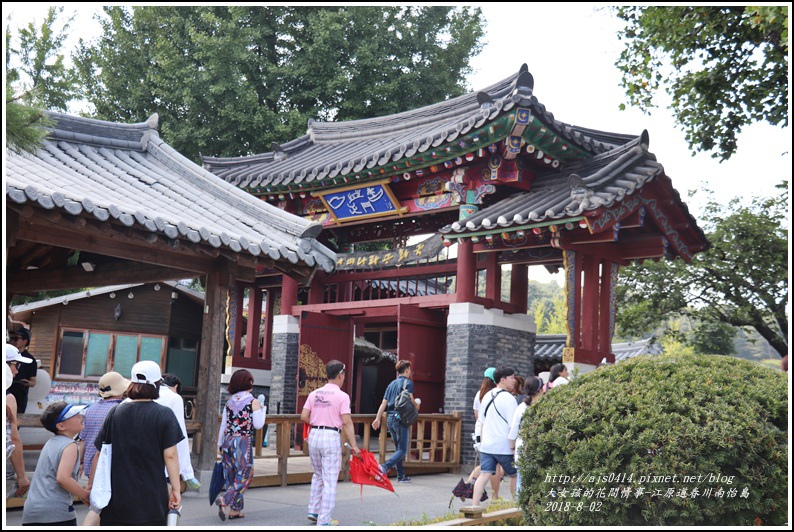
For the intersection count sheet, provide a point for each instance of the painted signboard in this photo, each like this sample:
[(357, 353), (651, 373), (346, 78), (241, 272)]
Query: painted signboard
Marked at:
[(360, 202)]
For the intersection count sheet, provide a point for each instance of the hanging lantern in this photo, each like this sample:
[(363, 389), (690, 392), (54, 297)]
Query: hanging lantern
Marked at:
[(537, 230), (505, 236), (553, 228), (489, 239), (459, 160), (447, 243), (469, 156), (475, 239), (447, 164), (583, 224)]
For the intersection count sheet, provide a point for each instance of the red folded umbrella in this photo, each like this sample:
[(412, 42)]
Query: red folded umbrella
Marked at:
[(364, 469)]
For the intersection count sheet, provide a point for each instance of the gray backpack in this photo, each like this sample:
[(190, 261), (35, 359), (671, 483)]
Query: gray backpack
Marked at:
[(406, 411)]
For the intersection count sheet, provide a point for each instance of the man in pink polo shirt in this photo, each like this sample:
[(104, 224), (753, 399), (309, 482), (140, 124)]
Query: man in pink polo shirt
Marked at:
[(327, 410)]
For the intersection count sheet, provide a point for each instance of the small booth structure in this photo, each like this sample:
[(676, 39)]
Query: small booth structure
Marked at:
[(79, 337), (103, 203), (429, 210)]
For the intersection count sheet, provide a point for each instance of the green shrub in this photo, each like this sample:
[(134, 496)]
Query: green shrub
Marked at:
[(679, 423)]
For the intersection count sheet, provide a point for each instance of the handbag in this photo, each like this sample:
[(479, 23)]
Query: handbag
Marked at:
[(465, 490), (101, 488), (217, 482)]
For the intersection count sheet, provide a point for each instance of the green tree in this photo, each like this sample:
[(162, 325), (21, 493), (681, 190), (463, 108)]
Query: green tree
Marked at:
[(230, 80), (724, 67), (742, 280), (39, 75), (37, 78)]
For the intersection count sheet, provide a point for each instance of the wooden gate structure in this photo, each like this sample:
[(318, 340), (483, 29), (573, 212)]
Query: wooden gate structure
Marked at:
[(492, 175)]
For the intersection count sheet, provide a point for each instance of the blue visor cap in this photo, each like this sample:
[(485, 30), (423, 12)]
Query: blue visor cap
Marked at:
[(69, 412)]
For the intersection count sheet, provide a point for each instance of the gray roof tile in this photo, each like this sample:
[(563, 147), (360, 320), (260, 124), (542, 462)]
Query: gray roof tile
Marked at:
[(334, 149), (125, 172)]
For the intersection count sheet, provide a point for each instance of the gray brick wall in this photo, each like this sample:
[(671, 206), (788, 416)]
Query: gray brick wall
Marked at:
[(470, 350), (284, 371)]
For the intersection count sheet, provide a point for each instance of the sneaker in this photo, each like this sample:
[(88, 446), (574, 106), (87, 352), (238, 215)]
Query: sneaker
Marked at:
[(332, 522), (383, 470), (404, 479), (312, 517)]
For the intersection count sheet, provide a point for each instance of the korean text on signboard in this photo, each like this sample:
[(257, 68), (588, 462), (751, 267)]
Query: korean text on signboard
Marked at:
[(369, 201)]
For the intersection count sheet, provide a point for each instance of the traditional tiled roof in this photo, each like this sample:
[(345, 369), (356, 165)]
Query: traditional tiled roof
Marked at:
[(548, 348), (126, 174), (598, 182), (391, 145)]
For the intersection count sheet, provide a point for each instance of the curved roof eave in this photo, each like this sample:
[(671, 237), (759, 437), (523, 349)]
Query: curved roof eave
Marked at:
[(127, 174), (373, 146)]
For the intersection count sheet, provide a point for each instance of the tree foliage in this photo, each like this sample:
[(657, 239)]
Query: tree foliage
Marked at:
[(42, 78), (230, 80), (724, 67), (37, 79), (742, 280)]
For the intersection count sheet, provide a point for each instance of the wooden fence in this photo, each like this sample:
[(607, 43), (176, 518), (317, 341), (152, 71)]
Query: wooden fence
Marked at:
[(435, 446)]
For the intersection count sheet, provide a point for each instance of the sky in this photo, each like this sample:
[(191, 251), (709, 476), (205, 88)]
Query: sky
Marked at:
[(571, 50)]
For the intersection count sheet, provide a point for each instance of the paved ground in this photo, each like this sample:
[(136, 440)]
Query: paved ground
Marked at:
[(426, 495)]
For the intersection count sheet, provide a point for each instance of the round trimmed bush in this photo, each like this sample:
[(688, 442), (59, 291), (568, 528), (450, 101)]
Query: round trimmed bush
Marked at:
[(659, 441)]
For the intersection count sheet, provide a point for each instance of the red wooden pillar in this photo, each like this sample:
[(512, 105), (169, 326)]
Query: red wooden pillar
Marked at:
[(317, 289), (605, 318), (466, 273), (493, 278), (289, 294), (254, 318), (518, 287)]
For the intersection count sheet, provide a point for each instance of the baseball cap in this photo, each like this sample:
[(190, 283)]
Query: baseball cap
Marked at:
[(146, 372), (23, 333), (112, 384), (489, 373), (67, 412), (12, 355)]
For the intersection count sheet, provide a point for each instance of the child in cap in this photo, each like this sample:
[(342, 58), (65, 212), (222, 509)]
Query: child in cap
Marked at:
[(54, 485)]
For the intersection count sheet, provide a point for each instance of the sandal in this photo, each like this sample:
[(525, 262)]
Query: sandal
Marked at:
[(221, 513)]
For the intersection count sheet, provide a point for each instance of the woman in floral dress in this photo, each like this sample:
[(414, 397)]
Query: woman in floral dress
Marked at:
[(242, 415)]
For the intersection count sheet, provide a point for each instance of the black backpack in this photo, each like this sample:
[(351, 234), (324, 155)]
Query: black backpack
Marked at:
[(406, 411)]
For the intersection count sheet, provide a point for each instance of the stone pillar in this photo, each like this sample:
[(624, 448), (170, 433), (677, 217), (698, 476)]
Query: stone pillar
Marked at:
[(476, 339), (284, 367)]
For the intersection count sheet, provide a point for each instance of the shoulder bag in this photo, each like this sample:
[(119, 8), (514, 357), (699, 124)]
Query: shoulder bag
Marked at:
[(100, 489)]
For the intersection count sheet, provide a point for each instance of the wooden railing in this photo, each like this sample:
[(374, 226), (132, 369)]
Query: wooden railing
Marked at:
[(435, 446)]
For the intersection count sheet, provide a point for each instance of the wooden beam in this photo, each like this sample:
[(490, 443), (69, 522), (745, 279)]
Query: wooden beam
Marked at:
[(113, 245), (211, 367), (104, 274)]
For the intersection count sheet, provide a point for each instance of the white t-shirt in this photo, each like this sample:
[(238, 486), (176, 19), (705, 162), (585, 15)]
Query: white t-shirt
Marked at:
[(515, 424), (496, 422), (560, 380), (174, 401)]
